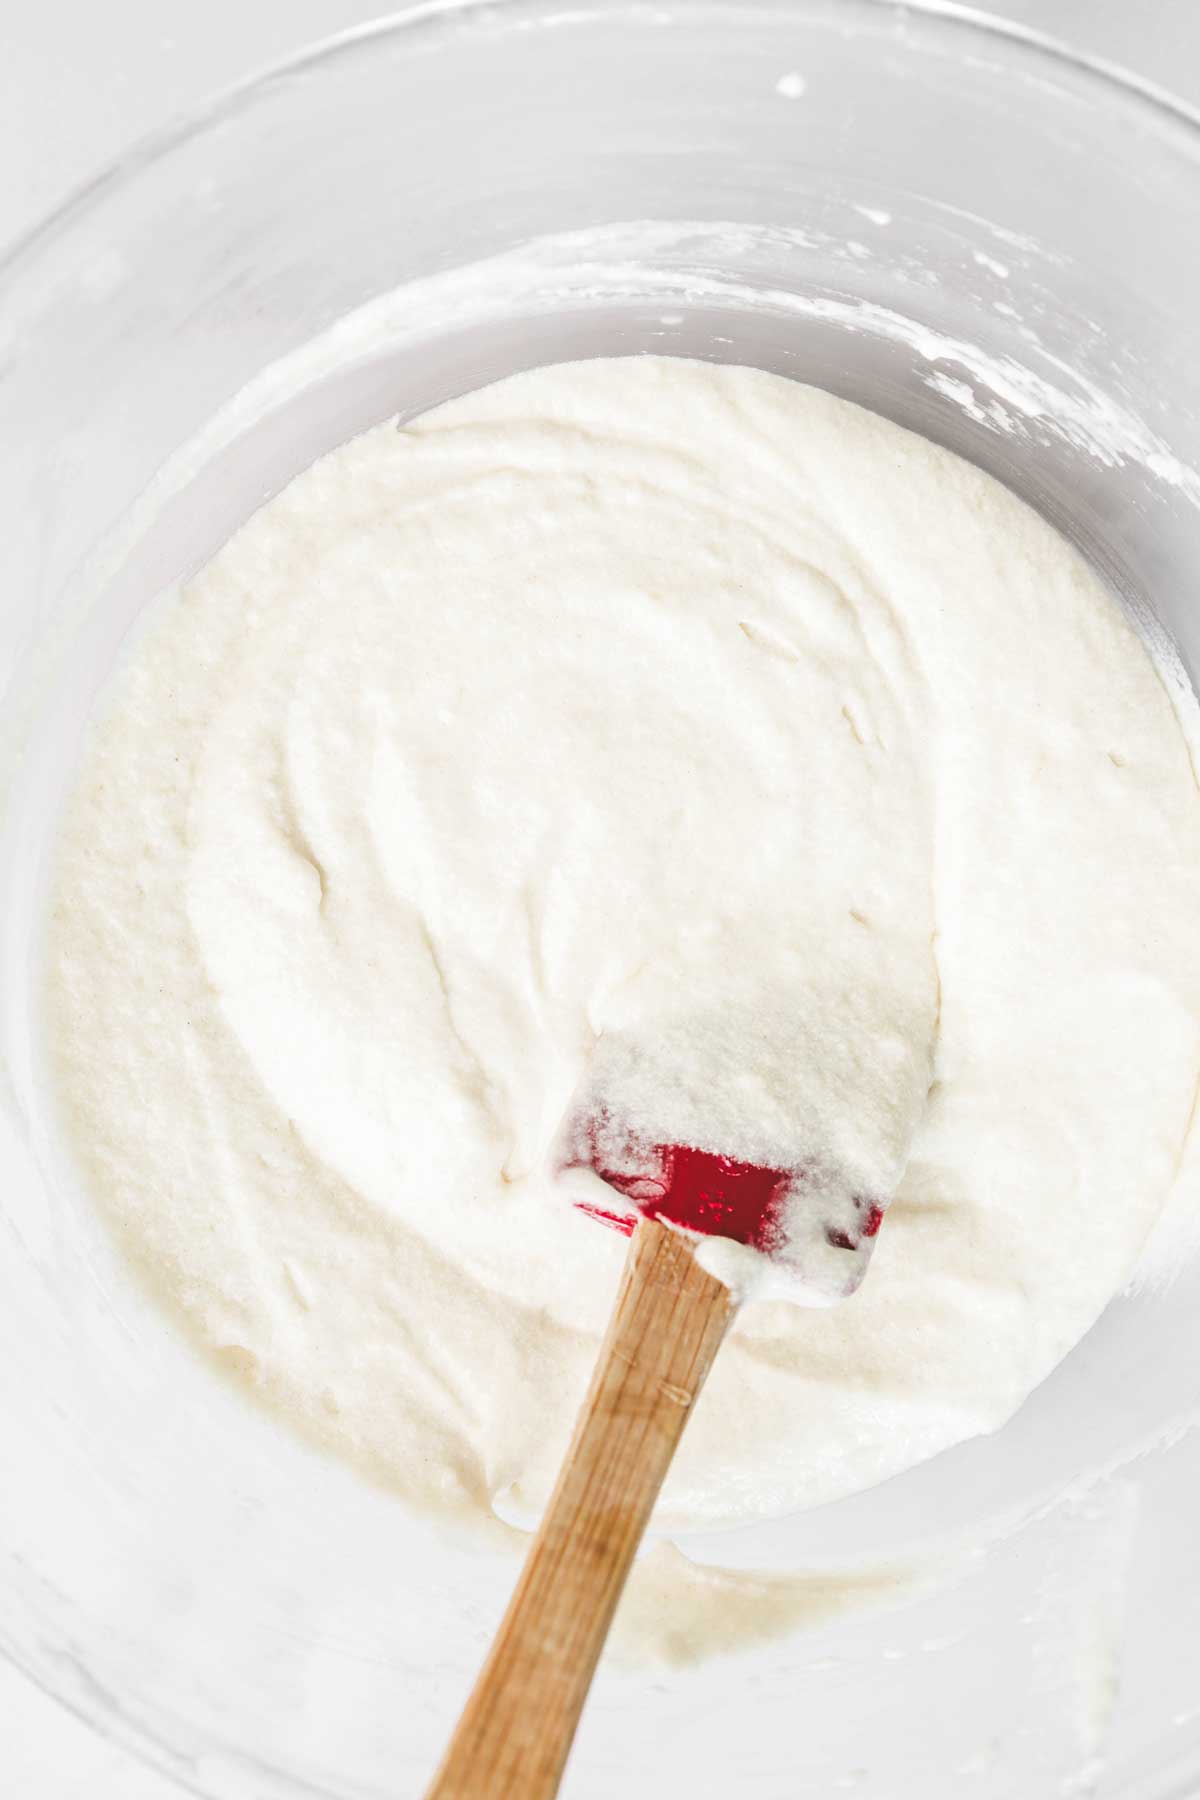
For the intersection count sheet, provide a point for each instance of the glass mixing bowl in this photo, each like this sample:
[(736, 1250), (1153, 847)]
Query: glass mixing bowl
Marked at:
[(967, 229)]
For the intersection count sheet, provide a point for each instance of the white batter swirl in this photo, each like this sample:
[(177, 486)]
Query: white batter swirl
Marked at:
[(636, 701)]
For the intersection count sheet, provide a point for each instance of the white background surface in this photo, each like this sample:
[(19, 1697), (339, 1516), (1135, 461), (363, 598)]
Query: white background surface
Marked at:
[(81, 81)]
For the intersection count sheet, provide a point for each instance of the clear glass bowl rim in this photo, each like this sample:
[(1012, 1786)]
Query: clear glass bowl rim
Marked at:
[(1174, 117)]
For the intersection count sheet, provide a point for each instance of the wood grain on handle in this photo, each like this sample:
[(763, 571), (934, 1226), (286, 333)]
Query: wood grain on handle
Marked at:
[(514, 1735)]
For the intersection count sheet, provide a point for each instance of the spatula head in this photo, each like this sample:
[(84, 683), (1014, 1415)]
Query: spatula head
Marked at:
[(799, 1234)]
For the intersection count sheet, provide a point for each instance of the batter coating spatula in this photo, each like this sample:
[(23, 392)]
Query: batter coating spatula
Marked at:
[(670, 1317)]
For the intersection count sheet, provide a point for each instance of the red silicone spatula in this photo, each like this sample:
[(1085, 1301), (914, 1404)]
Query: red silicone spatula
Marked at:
[(670, 1316)]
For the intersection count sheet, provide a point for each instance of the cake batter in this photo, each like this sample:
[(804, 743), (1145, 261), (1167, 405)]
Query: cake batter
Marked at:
[(634, 702)]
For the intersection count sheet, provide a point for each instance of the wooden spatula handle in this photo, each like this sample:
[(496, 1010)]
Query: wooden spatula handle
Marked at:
[(670, 1317)]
